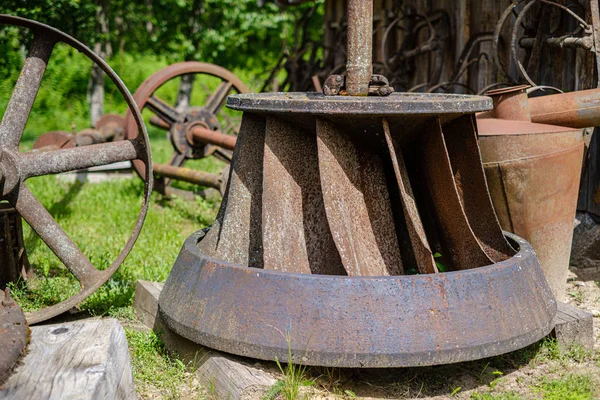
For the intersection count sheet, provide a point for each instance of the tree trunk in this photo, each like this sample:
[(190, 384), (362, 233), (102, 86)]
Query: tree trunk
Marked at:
[(184, 96), (102, 48)]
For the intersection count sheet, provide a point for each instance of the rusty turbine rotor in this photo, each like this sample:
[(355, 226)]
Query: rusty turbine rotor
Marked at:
[(340, 214)]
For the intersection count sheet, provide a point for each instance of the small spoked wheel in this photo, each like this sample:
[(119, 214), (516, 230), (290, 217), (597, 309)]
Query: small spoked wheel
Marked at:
[(16, 167), (195, 130)]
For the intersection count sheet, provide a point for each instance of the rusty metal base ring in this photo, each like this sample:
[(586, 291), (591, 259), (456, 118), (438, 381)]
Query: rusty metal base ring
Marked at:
[(392, 321)]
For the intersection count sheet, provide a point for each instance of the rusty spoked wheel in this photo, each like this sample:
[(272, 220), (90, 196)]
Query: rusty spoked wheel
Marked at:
[(194, 131), (16, 167)]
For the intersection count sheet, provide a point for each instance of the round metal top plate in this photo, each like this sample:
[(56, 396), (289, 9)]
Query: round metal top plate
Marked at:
[(395, 104)]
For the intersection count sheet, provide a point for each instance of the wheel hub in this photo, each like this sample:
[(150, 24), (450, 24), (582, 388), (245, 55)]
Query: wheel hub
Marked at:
[(180, 133)]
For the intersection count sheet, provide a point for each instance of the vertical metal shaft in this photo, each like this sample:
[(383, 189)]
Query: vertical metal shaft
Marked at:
[(360, 47)]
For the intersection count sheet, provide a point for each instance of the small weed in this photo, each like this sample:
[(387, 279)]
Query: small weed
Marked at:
[(455, 391), (578, 296), (439, 265), (579, 354), (497, 380), (570, 387), (294, 377), (274, 391)]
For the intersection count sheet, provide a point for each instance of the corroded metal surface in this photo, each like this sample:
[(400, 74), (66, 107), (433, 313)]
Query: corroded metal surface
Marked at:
[(533, 175), (292, 205), (395, 104), (360, 47), (358, 322), (188, 175), (580, 109), (14, 265), (14, 335), (332, 203), (16, 167), (357, 204), (533, 172)]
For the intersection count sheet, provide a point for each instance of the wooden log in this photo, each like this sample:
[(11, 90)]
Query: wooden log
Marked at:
[(224, 376), (87, 359)]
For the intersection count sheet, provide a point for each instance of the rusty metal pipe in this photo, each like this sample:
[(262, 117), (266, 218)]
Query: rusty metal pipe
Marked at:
[(579, 109), (188, 175), (199, 136), (511, 103), (359, 66)]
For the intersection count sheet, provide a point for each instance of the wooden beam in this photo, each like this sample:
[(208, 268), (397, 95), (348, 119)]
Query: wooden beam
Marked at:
[(224, 376)]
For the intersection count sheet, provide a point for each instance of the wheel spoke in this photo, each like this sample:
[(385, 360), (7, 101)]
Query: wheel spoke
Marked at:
[(57, 161), (216, 100), (159, 123), (25, 91), (163, 110), (53, 235)]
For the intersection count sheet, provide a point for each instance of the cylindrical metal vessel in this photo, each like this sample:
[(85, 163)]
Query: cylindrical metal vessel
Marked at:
[(533, 173)]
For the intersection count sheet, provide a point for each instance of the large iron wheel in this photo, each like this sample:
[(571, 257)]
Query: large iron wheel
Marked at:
[(16, 167), (179, 125)]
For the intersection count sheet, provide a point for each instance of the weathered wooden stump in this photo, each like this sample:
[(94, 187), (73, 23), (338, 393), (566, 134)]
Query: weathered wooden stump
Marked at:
[(86, 359)]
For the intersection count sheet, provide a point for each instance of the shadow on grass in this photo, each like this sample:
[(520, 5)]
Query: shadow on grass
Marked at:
[(442, 380), (60, 209)]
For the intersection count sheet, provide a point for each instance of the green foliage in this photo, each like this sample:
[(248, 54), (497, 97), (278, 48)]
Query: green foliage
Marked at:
[(225, 32)]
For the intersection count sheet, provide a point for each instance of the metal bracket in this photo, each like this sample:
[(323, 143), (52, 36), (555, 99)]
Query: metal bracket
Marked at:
[(378, 86)]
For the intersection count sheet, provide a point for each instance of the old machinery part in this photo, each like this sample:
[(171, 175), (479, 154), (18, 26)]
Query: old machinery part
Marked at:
[(195, 132), (533, 172), (13, 256), (14, 335), (406, 60), (585, 37), (16, 167), (579, 109), (333, 202), (109, 128)]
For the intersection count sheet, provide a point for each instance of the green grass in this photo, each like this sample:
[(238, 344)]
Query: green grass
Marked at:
[(570, 387), (99, 218), (153, 368), (496, 396)]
